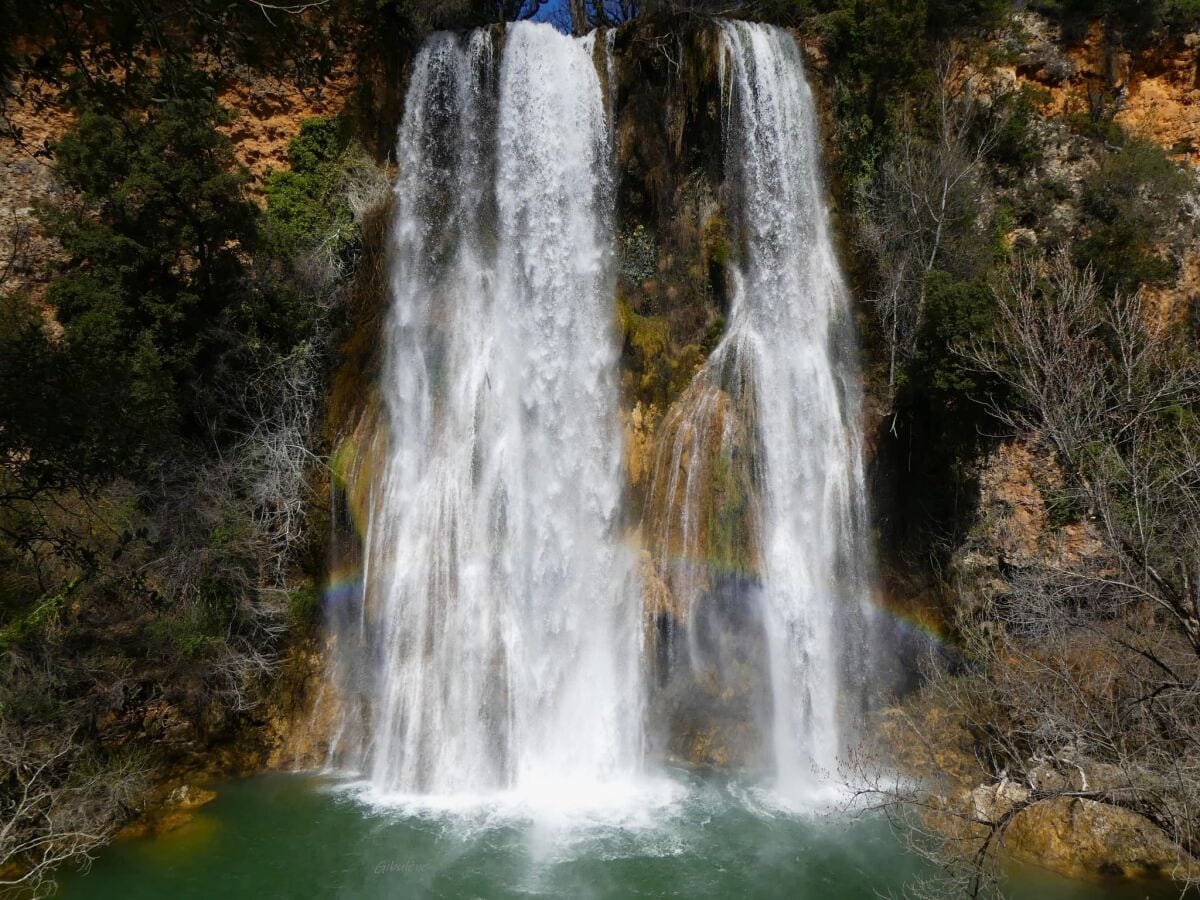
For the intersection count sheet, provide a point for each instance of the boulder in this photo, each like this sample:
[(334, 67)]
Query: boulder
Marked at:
[(1083, 838)]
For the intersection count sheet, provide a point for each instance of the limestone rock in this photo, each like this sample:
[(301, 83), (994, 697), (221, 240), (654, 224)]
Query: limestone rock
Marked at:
[(991, 802), (189, 796), (1084, 838)]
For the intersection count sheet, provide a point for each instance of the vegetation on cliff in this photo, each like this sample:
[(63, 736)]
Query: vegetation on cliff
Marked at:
[(160, 409), (1018, 250)]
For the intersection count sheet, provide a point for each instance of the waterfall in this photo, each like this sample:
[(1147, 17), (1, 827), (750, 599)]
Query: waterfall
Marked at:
[(500, 623), (759, 471), (791, 339), (498, 644)]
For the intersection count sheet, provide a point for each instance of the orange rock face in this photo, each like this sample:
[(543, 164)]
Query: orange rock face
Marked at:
[(269, 111)]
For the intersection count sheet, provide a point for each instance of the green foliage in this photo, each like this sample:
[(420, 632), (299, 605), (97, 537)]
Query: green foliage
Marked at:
[(32, 622), (152, 294), (139, 398), (951, 17), (66, 414), (941, 422), (304, 602), (882, 53), (712, 337), (956, 314), (1134, 22), (1182, 15), (1017, 142), (878, 46), (189, 636), (303, 203), (103, 52), (310, 237), (1130, 204)]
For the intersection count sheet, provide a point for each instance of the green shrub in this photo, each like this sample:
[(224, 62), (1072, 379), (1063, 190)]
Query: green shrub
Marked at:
[(151, 295), (1130, 205), (1018, 144), (956, 313), (1134, 22), (950, 17), (303, 203), (42, 615), (304, 602)]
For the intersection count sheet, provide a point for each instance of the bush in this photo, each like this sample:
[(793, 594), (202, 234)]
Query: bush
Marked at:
[(1131, 203), (950, 17), (304, 603), (1134, 23), (941, 384), (1017, 144), (302, 202), (152, 296)]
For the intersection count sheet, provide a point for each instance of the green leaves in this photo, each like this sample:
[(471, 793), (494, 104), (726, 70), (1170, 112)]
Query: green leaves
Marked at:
[(1130, 204), (1133, 23), (301, 203), (157, 237)]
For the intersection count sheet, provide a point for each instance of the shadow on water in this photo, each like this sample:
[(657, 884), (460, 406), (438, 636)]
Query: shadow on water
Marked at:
[(285, 836)]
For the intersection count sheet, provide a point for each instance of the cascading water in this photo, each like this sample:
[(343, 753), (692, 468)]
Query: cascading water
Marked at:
[(498, 645), (792, 338), (500, 619), (760, 470)]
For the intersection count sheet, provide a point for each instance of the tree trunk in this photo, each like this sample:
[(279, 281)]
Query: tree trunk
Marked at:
[(579, 17)]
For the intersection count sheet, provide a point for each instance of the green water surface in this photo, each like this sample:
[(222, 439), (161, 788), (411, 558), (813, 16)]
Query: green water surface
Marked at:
[(297, 836)]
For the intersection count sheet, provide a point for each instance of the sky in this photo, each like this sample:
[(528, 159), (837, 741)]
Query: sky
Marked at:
[(556, 12)]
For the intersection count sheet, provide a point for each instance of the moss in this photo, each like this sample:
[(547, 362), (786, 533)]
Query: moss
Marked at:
[(709, 436), (716, 245), (341, 462), (655, 372), (682, 368), (669, 170), (728, 522), (649, 335), (303, 603), (712, 337), (353, 387), (638, 254)]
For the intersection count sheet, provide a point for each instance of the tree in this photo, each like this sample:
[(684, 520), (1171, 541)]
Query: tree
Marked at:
[(1134, 23), (51, 814), (1081, 678), (922, 211), (1131, 203), (156, 236)]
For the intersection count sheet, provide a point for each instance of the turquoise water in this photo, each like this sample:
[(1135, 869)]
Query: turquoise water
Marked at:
[(294, 836)]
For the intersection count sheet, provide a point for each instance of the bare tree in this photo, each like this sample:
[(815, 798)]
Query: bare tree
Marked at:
[(55, 807), (1082, 681), (923, 202)]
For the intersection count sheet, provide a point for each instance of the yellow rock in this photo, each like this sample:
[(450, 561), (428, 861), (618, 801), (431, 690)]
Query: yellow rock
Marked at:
[(1084, 838)]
